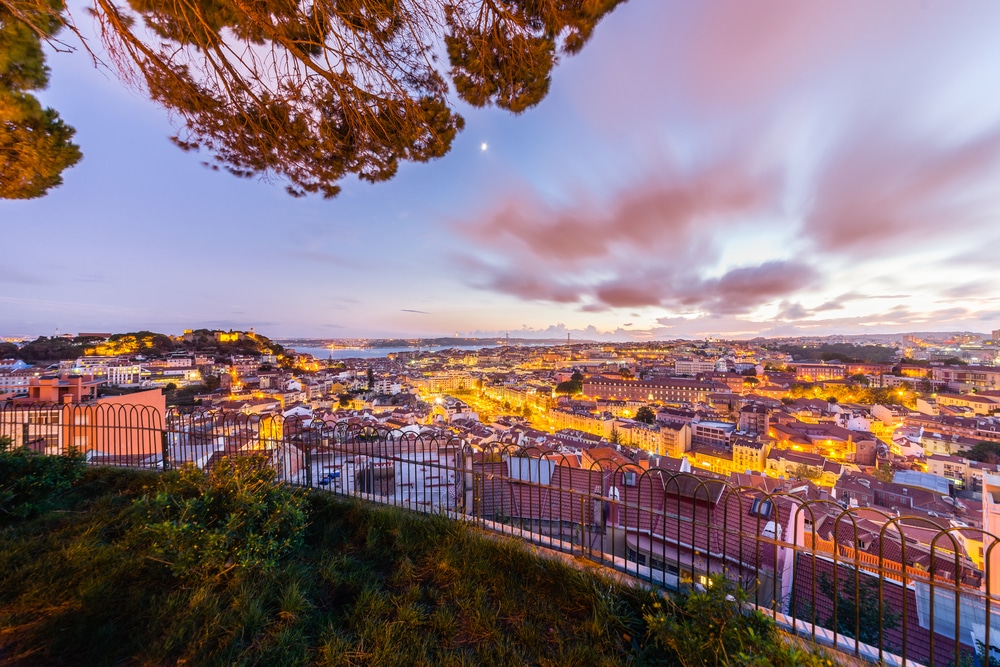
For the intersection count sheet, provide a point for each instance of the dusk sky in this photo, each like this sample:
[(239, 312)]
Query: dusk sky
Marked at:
[(700, 168)]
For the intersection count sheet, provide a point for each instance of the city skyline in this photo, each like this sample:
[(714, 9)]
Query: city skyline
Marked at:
[(695, 170)]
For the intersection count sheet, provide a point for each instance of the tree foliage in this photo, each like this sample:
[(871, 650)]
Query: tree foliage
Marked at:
[(58, 348), (35, 144), (803, 471), (859, 613), (646, 415), (985, 452), (569, 387), (311, 92), (850, 394), (859, 379), (845, 352), (884, 472)]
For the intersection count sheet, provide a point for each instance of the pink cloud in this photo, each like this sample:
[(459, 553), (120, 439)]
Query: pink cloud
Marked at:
[(879, 191), (671, 210), (648, 245)]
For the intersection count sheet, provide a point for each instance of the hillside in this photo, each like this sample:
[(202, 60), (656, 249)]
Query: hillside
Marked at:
[(149, 343), (127, 568)]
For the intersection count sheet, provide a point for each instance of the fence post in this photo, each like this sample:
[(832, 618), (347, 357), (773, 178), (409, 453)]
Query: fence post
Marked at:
[(165, 448), (24, 434), (309, 467)]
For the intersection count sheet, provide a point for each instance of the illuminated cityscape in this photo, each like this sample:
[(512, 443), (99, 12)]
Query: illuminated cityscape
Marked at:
[(892, 424), (765, 407), (740, 258)]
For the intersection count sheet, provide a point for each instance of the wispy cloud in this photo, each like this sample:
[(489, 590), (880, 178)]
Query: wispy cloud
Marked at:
[(10, 275)]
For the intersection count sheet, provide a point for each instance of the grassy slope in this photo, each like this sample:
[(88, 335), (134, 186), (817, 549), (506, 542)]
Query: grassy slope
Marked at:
[(372, 587)]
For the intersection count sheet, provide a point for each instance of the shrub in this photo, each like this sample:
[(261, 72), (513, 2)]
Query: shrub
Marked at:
[(31, 483), (236, 515), (712, 625), (970, 659), (858, 610)]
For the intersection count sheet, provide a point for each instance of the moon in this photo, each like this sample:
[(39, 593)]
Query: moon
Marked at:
[(483, 146)]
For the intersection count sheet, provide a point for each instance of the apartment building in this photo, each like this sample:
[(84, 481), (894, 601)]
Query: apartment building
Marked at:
[(63, 411), (819, 372), (967, 378), (665, 390)]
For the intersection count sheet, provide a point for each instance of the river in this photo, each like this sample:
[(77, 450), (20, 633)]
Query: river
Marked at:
[(376, 352)]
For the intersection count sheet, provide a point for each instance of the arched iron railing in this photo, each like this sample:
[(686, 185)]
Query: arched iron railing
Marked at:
[(883, 587)]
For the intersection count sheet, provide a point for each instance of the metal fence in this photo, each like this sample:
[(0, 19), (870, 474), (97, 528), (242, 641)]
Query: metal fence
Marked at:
[(884, 587)]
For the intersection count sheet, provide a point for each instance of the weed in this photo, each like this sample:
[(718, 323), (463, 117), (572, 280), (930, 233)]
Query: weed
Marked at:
[(712, 625), (236, 515), (31, 483)]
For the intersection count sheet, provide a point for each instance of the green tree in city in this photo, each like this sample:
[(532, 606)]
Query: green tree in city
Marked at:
[(646, 415), (858, 611), (569, 387), (803, 471), (35, 144), (985, 452), (859, 379), (212, 382), (884, 472)]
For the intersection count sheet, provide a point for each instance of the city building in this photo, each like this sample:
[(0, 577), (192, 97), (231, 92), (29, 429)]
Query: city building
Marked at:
[(665, 390), (64, 411)]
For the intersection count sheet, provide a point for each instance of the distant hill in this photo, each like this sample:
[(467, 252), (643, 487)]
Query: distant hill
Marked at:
[(58, 348)]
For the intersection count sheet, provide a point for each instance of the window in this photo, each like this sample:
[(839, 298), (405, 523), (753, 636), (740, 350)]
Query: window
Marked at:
[(761, 508)]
